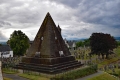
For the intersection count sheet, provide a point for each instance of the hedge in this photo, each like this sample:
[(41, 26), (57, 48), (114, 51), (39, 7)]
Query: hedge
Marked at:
[(77, 73)]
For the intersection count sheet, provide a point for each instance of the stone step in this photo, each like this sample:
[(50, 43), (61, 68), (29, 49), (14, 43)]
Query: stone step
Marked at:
[(55, 69), (47, 70), (49, 67)]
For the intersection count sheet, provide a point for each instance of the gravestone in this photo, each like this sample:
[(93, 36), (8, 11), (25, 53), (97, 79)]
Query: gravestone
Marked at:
[(48, 52)]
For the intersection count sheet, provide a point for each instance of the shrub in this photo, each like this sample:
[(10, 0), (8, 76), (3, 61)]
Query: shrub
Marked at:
[(76, 74)]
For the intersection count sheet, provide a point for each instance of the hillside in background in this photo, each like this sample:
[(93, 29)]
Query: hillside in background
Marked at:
[(3, 43), (76, 39), (117, 38), (82, 39)]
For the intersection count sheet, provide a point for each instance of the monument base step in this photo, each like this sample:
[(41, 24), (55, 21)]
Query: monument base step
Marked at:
[(50, 69)]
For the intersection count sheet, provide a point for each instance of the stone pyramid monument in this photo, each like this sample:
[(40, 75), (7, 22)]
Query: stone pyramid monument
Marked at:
[(48, 52)]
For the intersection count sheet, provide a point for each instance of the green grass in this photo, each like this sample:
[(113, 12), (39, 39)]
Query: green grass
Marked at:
[(7, 78), (104, 76), (117, 50), (116, 73), (111, 60), (33, 77), (77, 73), (107, 61), (28, 76), (9, 71)]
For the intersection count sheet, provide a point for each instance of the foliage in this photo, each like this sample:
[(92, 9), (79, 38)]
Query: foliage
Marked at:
[(0, 44), (76, 74), (87, 42), (104, 76), (83, 43), (19, 42), (80, 43), (118, 43), (102, 44)]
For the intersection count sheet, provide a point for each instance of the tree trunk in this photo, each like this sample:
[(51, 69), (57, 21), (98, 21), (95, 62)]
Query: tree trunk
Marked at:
[(98, 56), (107, 56), (102, 56)]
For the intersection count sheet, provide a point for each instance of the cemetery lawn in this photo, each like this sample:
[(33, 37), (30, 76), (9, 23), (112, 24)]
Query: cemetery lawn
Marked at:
[(8, 71), (111, 60), (117, 50), (6, 78), (33, 77), (107, 61), (104, 76), (116, 73)]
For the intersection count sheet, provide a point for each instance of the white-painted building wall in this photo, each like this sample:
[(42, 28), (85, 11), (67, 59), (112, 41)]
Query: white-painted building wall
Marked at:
[(6, 54)]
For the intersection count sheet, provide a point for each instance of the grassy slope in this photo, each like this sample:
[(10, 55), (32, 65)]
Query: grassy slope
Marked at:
[(8, 71), (117, 50), (33, 77), (104, 76), (108, 61), (6, 78)]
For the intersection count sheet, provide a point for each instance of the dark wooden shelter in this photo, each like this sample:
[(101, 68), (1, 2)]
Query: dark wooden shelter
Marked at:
[(48, 52)]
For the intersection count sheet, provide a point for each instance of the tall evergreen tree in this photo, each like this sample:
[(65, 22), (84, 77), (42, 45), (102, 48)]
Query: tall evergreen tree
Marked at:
[(19, 42)]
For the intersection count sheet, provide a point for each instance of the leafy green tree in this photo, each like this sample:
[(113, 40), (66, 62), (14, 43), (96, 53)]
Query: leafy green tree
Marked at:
[(80, 43), (19, 42), (83, 43), (87, 42), (118, 43), (102, 44)]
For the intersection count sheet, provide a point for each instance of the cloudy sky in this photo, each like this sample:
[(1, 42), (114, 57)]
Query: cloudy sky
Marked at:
[(77, 18)]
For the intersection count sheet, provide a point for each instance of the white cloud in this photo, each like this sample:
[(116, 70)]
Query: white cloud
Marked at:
[(77, 18)]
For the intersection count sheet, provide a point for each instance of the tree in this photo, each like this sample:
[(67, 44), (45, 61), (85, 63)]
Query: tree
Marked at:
[(80, 43), (87, 42), (83, 43), (118, 43), (102, 44), (19, 42)]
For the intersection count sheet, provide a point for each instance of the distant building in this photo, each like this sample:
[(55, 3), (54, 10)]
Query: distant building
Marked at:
[(6, 51), (70, 44)]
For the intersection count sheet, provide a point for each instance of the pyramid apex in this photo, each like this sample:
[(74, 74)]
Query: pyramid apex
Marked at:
[(58, 25), (48, 14)]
